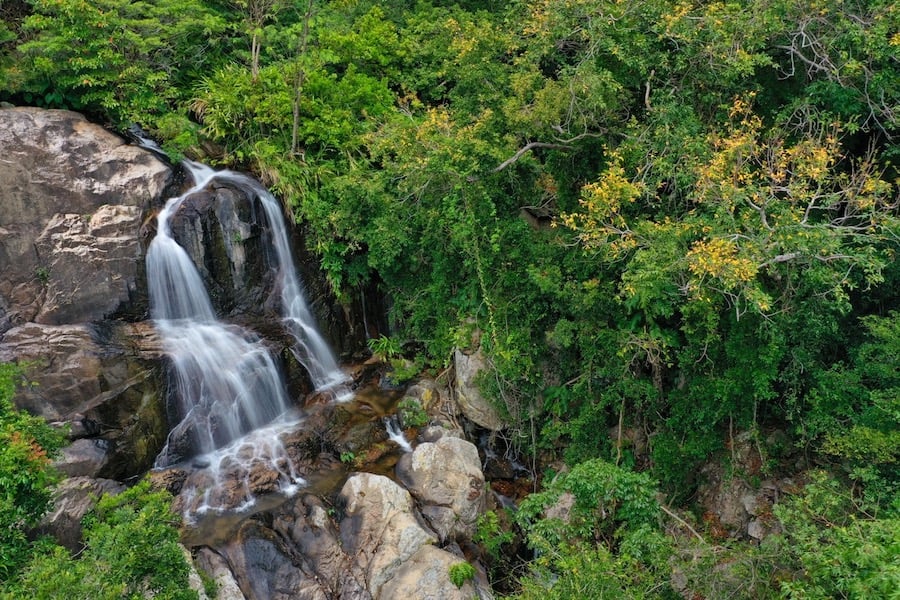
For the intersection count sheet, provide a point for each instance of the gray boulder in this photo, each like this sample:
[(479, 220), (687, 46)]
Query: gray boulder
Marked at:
[(446, 478)]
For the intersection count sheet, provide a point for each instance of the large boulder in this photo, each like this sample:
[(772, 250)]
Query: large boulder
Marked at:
[(266, 568), (58, 168), (473, 405), (307, 524), (446, 478), (380, 529), (426, 576)]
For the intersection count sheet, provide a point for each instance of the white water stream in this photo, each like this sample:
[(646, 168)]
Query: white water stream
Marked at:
[(395, 434), (232, 406)]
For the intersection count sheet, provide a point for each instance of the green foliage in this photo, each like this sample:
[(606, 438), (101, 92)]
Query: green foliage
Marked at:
[(130, 62), (131, 548), (854, 410), (609, 505), (593, 572), (27, 445), (461, 573), (384, 348), (844, 546), (411, 413), (670, 221), (491, 536)]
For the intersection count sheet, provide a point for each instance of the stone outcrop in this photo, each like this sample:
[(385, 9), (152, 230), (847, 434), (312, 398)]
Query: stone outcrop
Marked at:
[(58, 169), (380, 529), (72, 499), (446, 478), (98, 379), (76, 216), (472, 404), (221, 229)]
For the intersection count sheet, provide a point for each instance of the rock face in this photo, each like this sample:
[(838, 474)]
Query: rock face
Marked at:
[(446, 478), (62, 173), (74, 200), (472, 404)]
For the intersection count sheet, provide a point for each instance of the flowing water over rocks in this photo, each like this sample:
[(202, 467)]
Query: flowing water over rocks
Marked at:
[(253, 429), (231, 407)]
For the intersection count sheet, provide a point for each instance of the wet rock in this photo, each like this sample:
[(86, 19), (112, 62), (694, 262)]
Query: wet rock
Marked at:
[(446, 478), (266, 568), (379, 529), (72, 499), (221, 231), (426, 576), (171, 480), (472, 404)]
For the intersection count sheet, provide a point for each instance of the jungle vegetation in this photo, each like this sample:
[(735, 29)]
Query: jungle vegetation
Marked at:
[(669, 221)]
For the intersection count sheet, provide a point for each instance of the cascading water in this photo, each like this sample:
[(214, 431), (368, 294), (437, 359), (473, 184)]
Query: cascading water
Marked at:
[(395, 434), (232, 404), (310, 348)]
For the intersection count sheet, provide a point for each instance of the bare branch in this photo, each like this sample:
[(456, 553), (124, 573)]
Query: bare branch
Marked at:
[(527, 148)]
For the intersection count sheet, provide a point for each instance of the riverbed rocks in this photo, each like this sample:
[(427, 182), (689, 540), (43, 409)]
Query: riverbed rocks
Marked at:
[(446, 478)]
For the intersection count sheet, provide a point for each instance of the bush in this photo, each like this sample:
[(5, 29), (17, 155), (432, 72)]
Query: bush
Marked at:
[(131, 550), (27, 445), (461, 573)]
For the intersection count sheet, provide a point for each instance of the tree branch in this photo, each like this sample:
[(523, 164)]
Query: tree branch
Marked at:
[(526, 148)]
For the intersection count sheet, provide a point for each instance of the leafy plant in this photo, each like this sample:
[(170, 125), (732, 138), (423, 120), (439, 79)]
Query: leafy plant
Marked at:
[(384, 348), (27, 445), (131, 548), (411, 413), (461, 573), (490, 535)]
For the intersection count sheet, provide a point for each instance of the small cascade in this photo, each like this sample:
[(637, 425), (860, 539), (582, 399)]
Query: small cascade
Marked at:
[(310, 348), (395, 434), (232, 406)]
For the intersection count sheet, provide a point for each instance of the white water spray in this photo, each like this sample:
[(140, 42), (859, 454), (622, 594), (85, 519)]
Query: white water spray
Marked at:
[(232, 406), (395, 434)]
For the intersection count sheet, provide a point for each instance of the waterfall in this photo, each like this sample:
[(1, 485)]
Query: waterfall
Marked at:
[(310, 348), (395, 434), (231, 400)]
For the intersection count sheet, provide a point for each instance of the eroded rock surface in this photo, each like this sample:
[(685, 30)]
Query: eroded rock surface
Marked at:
[(55, 163), (446, 478), (472, 404)]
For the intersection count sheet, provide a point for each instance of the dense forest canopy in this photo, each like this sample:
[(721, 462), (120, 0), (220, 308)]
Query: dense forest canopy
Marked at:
[(676, 218)]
